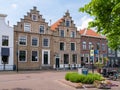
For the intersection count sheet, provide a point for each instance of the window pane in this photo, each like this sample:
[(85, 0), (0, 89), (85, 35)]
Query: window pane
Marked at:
[(27, 27), (45, 42), (61, 46), (42, 29), (72, 34), (67, 23), (34, 56), (34, 17), (22, 55), (45, 57), (34, 41), (72, 46), (74, 58), (5, 40), (22, 40), (62, 33)]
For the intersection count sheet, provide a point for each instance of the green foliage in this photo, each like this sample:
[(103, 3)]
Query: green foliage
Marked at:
[(106, 19), (87, 79)]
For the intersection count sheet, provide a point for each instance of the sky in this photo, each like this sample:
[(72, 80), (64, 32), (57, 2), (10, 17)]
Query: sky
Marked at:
[(50, 9)]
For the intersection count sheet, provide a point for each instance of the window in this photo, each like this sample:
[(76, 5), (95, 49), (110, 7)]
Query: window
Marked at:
[(27, 27), (118, 53), (34, 56), (109, 51), (90, 45), (74, 58), (45, 57), (103, 47), (22, 55), (5, 59), (72, 46), (66, 58), (34, 17), (22, 40), (84, 45), (62, 45), (98, 46), (5, 40), (67, 23), (42, 29), (34, 41), (73, 34), (46, 42), (86, 58), (62, 33)]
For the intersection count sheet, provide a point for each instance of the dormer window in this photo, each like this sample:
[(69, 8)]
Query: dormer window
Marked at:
[(34, 17), (67, 23), (42, 29)]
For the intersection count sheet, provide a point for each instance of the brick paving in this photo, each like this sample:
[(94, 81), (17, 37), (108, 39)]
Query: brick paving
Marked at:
[(37, 80)]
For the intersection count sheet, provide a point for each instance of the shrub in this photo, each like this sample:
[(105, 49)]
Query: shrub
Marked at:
[(87, 79)]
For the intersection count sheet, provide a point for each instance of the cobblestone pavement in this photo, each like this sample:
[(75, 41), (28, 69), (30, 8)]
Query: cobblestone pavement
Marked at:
[(39, 80)]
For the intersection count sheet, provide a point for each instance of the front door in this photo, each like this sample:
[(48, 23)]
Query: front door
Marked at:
[(57, 63)]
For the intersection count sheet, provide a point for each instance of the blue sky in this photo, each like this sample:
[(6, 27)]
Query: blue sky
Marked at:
[(50, 9)]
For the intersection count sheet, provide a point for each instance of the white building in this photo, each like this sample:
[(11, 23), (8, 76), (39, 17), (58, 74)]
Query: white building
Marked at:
[(6, 45)]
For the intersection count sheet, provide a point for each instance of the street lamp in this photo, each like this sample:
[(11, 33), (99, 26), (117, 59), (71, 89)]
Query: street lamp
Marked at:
[(17, 55)]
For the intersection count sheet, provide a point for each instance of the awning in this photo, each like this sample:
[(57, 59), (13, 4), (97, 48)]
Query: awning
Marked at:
[(5, 52)]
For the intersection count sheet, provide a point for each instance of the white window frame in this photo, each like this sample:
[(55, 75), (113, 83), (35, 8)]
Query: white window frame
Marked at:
[(19, 54), (43, 56), (66, 22), (37, 56), (84, 45), (19, 40), (28, 26), (5, 39), (37, 41), (48, 42), (72, 34), (64, 45)]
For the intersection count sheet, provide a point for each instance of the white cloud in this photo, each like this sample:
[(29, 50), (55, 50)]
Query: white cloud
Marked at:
[(84, 22), (14, 6)]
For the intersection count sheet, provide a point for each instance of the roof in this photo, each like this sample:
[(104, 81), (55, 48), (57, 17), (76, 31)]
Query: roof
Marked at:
[(89, 32), (56, 24)]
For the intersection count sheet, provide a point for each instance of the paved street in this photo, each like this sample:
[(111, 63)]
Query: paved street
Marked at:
[(37, 80)]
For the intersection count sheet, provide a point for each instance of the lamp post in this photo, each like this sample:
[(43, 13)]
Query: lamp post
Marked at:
[(92, 59), (17, 55)]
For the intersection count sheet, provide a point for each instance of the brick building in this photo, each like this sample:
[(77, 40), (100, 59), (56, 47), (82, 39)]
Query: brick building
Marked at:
[(66, 43), (38, 46), (90, 39)]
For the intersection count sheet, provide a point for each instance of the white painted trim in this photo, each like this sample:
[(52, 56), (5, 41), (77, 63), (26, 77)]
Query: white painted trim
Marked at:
[(19, 40), (44, 29), (75, 45), (36, 17), (43, 42), (29, 25), (43, 50)]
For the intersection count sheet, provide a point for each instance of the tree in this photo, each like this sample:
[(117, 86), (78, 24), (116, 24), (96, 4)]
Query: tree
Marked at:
[(106, 19)]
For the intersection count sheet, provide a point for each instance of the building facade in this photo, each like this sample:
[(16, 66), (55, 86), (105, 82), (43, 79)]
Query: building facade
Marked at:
[(38, 46), (90, 40), (6, 45), (66, 43), (32, 42)]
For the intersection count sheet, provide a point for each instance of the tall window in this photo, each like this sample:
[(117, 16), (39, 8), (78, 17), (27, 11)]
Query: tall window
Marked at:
[(74, 58), (62, 33), (22, 40), (62, 45), (67, 23), (90, 45), (84, 45), (46, 42), (34, 17), (34, 41), (98, 46), (45, 57), (34, 56), (66, 58), (72, 46), (5, 40), (103, 47), (73, 34), (118, 53), (22, 55), (27, 27), (42, 29)]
